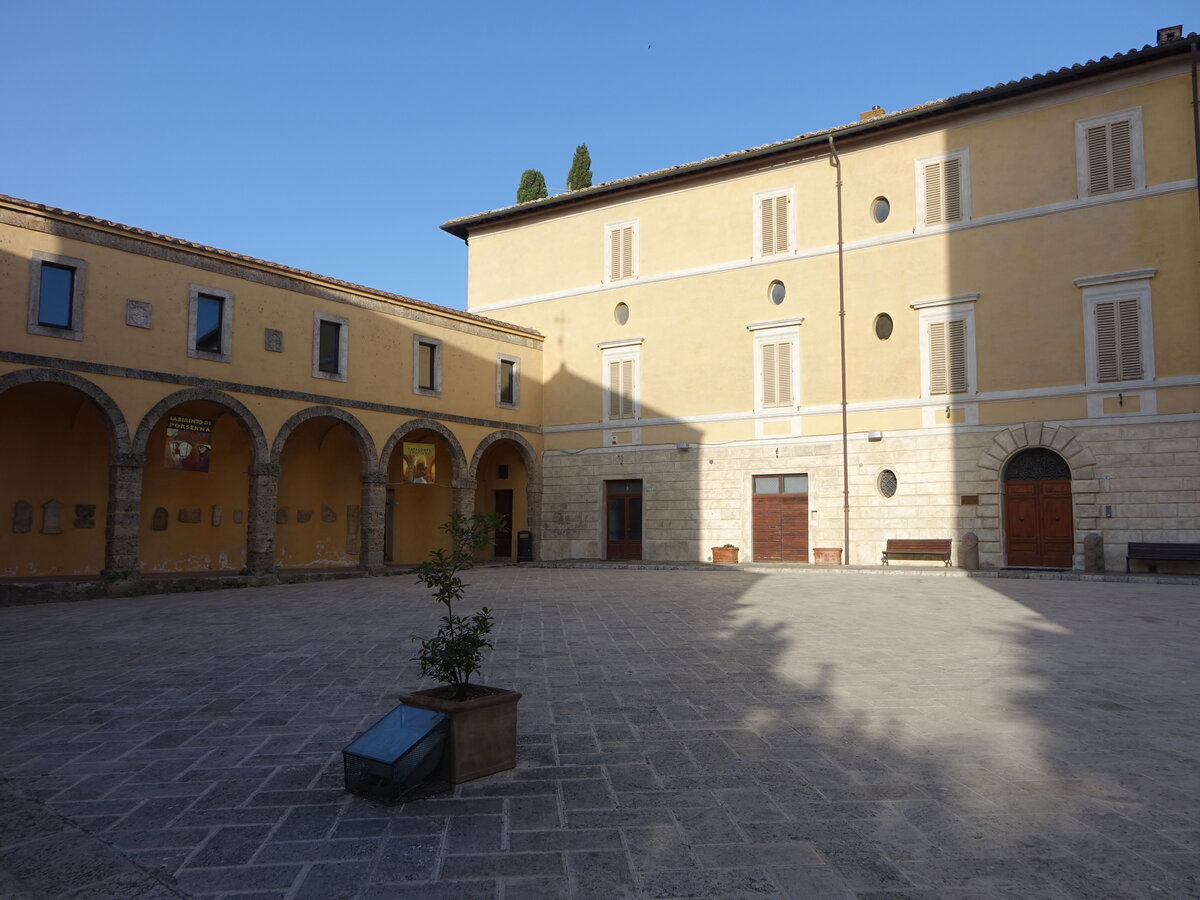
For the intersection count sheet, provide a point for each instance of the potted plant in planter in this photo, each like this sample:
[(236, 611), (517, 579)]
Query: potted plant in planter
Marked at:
[(483, 720), (725, 556)]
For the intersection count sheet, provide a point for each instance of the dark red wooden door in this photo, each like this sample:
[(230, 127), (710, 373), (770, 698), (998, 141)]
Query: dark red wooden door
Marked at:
[(623, 514), (1038, 526), (780, 518)]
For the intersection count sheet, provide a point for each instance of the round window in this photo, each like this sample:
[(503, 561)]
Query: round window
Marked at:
[(887, 483), (883, 326), (621, 313), (776, 292), (880, 209)]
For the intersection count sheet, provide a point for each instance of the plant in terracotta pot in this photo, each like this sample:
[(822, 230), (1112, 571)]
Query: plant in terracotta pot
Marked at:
[(725, 556), (483, 720)]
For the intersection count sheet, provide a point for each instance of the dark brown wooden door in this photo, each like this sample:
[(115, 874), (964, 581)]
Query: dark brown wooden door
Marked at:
[(504, 506), (1038, 527), (623, 515), (780, 518)]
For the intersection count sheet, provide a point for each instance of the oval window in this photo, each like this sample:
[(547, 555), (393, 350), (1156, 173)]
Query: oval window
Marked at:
[(880, 209), (776, 292), (887, 483), (883, 326), (621, 313)]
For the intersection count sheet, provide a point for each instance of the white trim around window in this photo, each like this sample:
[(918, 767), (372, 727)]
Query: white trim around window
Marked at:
[(948, 311), (1128, 326), (224, 353), (37, 323), (774, 212), (1109, 157), (330, 365), (508, 381), (622, 379), (427, 366), (943, 188), (622, 248)]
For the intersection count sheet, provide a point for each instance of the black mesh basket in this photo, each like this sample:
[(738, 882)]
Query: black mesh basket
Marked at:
[(393, 759)]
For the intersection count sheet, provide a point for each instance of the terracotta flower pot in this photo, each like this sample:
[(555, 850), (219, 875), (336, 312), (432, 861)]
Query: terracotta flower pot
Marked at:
[(725, 556), (483, 730), (827, 556)]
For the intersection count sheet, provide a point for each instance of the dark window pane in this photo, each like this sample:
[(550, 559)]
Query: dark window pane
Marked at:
[(635, 518), (508, 382), (766, 484), (208, 323), (54, 299), (426, 366), (330, 338)]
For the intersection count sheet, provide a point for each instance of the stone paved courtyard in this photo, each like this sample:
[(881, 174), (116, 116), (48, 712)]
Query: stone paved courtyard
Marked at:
[(683, 734)]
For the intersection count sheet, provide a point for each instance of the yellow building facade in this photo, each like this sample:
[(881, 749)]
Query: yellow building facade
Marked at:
[(1007, 280), (170, 408)]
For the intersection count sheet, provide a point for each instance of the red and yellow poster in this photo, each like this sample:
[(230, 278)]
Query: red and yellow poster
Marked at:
[(419, 463), (189, 443)]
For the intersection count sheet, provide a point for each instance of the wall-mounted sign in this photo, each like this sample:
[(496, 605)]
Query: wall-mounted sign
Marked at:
[(189, 443), (419, 463)]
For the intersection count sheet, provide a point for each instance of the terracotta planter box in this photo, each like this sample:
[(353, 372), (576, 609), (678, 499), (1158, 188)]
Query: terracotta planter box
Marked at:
[(827, 556), (483, 731), (725, 556)]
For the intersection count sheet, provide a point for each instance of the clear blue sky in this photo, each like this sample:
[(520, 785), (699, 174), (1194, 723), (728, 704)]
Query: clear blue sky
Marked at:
[(337, 137)]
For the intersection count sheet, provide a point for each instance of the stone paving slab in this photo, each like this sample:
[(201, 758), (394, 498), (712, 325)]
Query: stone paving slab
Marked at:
[(682, 735)]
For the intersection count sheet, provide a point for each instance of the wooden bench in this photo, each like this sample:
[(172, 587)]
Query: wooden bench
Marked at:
[(1162, 552), (926, 549)]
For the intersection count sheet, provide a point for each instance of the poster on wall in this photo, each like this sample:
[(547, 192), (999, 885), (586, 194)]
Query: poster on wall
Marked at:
[(419, 461), (189, 443)]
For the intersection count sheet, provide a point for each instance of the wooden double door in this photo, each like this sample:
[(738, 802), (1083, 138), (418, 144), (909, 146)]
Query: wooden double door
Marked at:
[(780, 518), (623, 519), (1038, 526)]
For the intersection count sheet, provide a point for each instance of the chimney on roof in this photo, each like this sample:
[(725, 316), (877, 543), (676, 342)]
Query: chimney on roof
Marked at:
[(1166, 35), (875, 112)]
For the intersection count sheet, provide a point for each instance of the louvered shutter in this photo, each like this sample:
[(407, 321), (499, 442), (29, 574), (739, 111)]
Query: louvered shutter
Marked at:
[(956, 364), (1097, 159), (767, 215), (1118, 341), (620, 389), (769, 379), (1130, 339), (1121, 153), (1110, 157), (952, 190), (781, 223), (614, 254), (777, 374), (937, 358), (1107, 363), (773, 220), (933, 194), (627, 252)]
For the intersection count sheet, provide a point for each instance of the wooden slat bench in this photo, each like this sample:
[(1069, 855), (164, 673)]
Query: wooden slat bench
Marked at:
[(1162, 551), (927, 549)]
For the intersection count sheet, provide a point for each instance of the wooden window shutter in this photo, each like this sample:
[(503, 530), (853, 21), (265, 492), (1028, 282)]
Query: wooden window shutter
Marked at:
[(627, 251), (781, 223), (956, 340), (767, 215), (620, 253), (1110, 157), (1121, 148), (937, 358), (1129, 327), (952, 190), (773, 219), (777, 374), (1107, 364), (1118, 341), (933, 194), (620, 389)]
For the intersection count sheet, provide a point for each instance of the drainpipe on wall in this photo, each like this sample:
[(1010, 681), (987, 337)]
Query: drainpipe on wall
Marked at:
[(836, 162)]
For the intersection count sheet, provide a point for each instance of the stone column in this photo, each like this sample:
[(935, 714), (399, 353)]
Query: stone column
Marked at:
[(464, 496), (260, 519), (123, 516), (534, 518), (374, 498)]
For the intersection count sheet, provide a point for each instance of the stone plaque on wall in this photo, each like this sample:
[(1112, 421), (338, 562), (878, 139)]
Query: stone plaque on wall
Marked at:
[(352, 529), (327, 514), (273, 340), (85, 515), (281, 515), (52, 517), (160, 519), (189, 516), (238, 517), (303, 515), (137, 313), (22, 517), (217, 513)]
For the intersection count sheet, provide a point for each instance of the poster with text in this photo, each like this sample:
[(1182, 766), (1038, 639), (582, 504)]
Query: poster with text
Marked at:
[(419, 460), (189, 443)]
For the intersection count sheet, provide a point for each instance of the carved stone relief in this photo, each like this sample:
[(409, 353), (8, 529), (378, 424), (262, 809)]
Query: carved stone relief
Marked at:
[(160, 519), (217, 513), (22, 520), (137, 313), (238, 517), (85, 515), (189, 516), (327, 514), (281, 515), (303, 515), (52, 517)]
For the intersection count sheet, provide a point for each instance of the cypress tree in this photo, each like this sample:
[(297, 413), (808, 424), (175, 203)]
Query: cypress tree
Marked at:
[(580, 175), (532, 186)]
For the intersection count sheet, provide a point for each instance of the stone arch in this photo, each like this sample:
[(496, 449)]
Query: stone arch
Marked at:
[(366, 446), (258, 441), (117, 429), (527, 453), (461, 474), (1011, 441)]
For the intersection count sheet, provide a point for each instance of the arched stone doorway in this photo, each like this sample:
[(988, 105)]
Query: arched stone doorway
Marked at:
[(425, 472), (323, 454), (59, 436), (1038, 522), (199, 447), (504, 469)]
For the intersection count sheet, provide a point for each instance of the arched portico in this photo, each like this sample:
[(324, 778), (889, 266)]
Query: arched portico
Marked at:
[(426, 481), (507, 475)]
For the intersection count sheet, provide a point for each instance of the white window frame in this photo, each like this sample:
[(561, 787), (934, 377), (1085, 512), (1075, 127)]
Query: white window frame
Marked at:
[(963, 156), (33, 323), (759, 199), (194, 292), (635, 252), (778, 332), (948, 309), (1137, 154), (438, 363), (620, 351), (1134, 285), (515, 361), (343, 346)]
